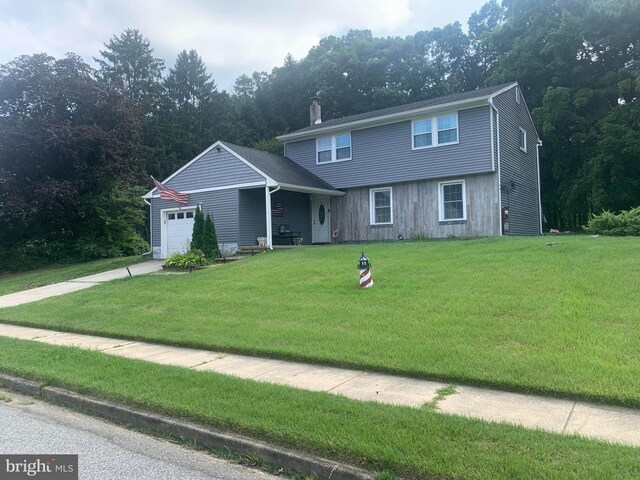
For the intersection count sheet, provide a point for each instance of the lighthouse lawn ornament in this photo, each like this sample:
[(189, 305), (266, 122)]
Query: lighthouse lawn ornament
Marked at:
[(365, 273)]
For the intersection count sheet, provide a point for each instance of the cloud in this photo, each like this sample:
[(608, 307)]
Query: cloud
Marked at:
[(232, 37)]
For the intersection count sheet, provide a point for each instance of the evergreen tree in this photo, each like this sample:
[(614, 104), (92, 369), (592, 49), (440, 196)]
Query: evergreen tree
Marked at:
[(197, 237), (128, 64), (210, 247)]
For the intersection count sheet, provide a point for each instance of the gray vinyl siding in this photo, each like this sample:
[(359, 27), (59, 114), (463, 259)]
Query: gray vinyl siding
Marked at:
[(384, 154), (523, 203), (416, 211), (296, 214), (214, 169), (222, 204), (252, 215)]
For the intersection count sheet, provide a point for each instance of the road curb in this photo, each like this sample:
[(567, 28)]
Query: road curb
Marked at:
[(203, 436)]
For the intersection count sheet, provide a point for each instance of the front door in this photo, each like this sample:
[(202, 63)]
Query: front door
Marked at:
[(320, 219)]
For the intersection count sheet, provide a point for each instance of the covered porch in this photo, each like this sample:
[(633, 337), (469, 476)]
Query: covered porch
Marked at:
[(291, 215)]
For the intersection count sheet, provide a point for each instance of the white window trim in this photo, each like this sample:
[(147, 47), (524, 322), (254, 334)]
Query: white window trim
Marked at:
[(441, 186), (434, 131), (523, 148), (372, 205), (334, 158), (517, 95)]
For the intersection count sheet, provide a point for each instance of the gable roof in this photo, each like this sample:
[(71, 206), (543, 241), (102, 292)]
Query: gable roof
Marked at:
[(399, 112), (278, 170), (283, 170)]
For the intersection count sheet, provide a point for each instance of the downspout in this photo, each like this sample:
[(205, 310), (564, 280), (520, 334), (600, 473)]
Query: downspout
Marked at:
[(538, 145), (493, 107), (150, 228), (268, 194)]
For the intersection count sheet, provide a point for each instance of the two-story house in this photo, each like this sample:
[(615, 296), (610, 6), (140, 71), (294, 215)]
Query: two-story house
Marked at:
[(464, 165)]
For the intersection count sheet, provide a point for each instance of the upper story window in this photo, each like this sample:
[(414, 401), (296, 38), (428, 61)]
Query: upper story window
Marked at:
[(523, 140), (333, 149), (517, 95), (434, 131)]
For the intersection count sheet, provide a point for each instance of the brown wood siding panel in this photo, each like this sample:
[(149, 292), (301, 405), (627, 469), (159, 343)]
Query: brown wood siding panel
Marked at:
[(415, 211), (524, 211), (384, 154)]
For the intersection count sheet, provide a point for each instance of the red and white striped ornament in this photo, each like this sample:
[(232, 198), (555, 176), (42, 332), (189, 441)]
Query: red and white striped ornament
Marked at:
[(365, 279)]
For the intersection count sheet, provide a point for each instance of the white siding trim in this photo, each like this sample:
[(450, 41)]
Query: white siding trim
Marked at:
[(226, 187), (164, 226), (317, 191), (372, 205), (434, 131), (538, 145), (441, 186), (523, 144)]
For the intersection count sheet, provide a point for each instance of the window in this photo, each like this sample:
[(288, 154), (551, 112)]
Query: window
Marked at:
[(324, 147), (189, 214), (421, 133), (381, 205), (517, 95), (172, 216), (333, 149), (452, 201), (523, 140), (180, 215), (445, 127)]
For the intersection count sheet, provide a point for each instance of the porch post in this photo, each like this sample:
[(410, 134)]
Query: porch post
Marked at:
[(267, 198)]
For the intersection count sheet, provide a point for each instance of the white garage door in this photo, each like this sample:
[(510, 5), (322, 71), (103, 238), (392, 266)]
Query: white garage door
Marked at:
[(179, 230)]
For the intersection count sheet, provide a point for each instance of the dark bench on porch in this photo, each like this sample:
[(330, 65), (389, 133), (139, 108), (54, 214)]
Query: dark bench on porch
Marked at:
[(285, 236)]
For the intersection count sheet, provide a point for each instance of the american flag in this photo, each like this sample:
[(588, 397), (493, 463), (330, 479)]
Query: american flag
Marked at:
[(167, 193), (277, 210)]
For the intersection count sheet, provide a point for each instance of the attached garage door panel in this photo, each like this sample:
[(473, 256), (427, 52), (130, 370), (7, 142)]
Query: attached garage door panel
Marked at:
[(179, 230)]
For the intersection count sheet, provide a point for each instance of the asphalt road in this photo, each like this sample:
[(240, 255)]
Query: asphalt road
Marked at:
[(105, 451)]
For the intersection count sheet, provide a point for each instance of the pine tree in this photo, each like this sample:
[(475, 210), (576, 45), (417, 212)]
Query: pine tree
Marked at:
[(197, 237), (210, 240)]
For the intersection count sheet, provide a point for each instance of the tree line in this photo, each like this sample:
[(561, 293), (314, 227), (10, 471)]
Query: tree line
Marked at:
[(78, 143)]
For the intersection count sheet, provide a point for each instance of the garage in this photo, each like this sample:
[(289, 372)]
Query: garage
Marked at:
[(178, 227)]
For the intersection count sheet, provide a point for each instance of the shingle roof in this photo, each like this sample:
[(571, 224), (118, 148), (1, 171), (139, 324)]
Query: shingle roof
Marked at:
[(279, 168), (470, 95)]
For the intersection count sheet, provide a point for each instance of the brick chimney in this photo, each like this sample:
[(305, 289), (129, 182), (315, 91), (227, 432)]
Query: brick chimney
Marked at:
[(314, 111)]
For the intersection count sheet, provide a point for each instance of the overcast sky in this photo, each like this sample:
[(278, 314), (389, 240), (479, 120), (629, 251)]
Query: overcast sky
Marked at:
[(232, 36)]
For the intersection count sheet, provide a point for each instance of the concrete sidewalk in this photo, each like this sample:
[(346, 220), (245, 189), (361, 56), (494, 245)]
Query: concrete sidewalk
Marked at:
[(615, 424), (35, 294)]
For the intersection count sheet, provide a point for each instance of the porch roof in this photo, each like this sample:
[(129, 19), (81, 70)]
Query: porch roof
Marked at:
[(283, 171)]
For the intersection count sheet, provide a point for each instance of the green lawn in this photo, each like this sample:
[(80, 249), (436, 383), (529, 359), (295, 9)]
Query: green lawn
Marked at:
[(512, 313), (15, 282), (413, 443)]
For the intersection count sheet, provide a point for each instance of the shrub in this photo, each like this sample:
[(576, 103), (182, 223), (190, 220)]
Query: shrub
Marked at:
[(210, 239), (197, 237), (191, 259), (626, 223)]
